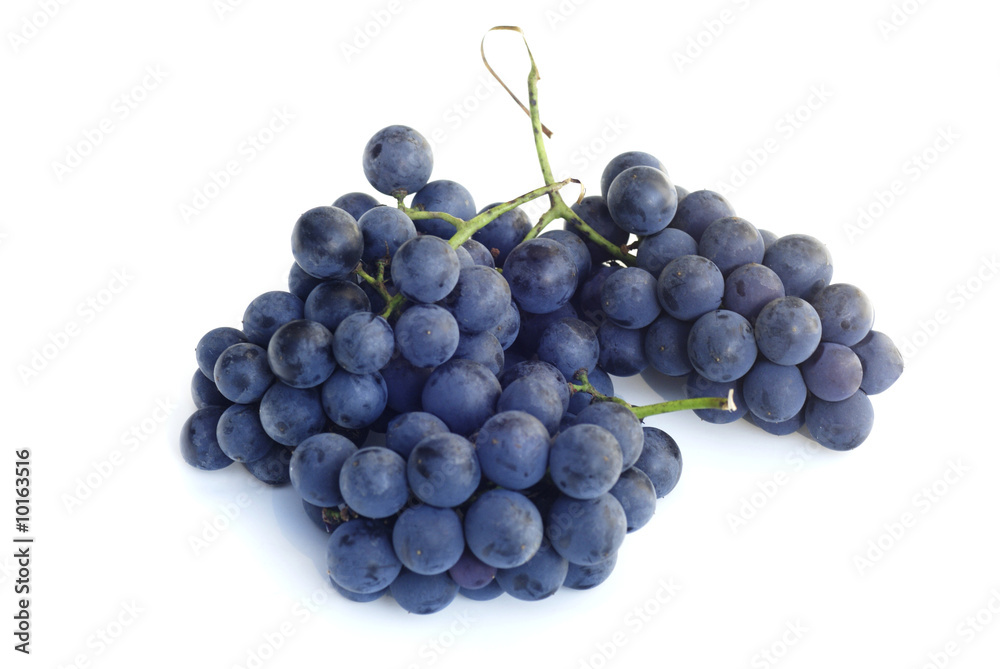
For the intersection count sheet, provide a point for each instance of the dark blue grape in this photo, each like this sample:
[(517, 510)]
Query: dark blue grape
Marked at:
[(507, 329), (443, 470), (373, 483), (504, 232), (749, 288), (384, 230), (594, 212), (601, 381), (481, 347), (242, 374), (696, 385), (881, 362), (291, 415), (491, 590), (584, 576), (199, 443), (241, 435), (427, 335), (666, 346), (658, 249), (354, 400), (635, 492), (585, 461), (783, 428), (622, 349), (802, 262), (425, 269), (300, 283), (846, 313), (698, 210), (768, 237), (541, 274), (833, 373), (621, 423), (408, 429), (428, 540), (356, 204), (205, 393), (479, 299), (535, 396), (622, 162), (542, 370), (315, 468), (272, 469), (628, 298), (211, 346), (360, 558), (513, 449), (660, 460), (731, 242), (397, 160), (462, 393), (301, 354), (405, 383), (327, 242), (471, 573), (363, 343), (480, 255), (774, 393), (503, 528), (446, 197), (840, 426), (689, 287), (332, 301), (357, 596), (570, 345), (533, 326), (586, 531), (642, 200), (787, 330), (721, 346), (577, 249), (536, 579), (423, 595), (588, 296), (268, 312)]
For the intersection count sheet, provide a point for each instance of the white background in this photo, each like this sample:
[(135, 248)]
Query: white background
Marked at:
[(119, 560)]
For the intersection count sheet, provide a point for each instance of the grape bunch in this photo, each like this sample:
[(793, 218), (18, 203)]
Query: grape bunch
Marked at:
[(436, 383)]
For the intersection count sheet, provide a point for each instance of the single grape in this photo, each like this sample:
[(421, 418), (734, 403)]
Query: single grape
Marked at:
[(622, 162), (833, 372), (622, 349), (665, 346), (462, 393), (846, 313), (533, 326), (503, 528), (301, 353), (504, 232), (768, 237), (635, 492), (354, 400), (802, 262), (471, 573), (408, 429), (774, 393), (721, 346), (421, 594), (787, 330), (491, 590), (840, 426), (268, 312), (205, 393), (242, 374), (428, 540), (331, 302), (427, 335), (397, 160), (513, 449), (199, 443), (360, 558), (356, 204), (731, 242), (588, 295), (783, 428), (446, 197), (542, 370), (363, 343), (536, 579), (481, 347), (541, 274), (301, 283), (628, 298), (292, 415), (443, 470), (577, 249), (690, 286), (315, 468), (880, 360), (327, 242), (658, 249), (384, 230), (642, 200), (241, 435), (660, 460), (570, 345), (480, 255), (586, 576), (425, 269), (479, 299), (211, 346), (273, 468), (535, 396), (586, 531), (698, 210), (749, 288), (585, 461), (405, 383), (373, 483), (357, 596), (507, 329)]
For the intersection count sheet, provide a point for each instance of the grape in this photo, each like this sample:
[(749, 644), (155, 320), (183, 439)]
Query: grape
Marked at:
[(242, 374), (698, 386), (199, 444), (503, 528), (268, 312), (635, 492), (447, 197), (481, 347), (315, 468), (421, 594), (360, 558), (621, 423), (749, 288), (491, 590), (513, 449), (443, 470), (774, 393), (272, 469), (291, 415), (480, 254), (373, 483), (577, 249), (802, 262), (731, 242), (533, 326), (397, 160), (354, 400), (658, 249), (300, 284), (462, 393), (405, 384), (880, 360), (384, 230), (407, 430), (721, 346), (601, 381), (570, 345), (363, 343), (833, 373), (471, 573), (301, 354), (768, 237), (356, 204), (594, 212), (628, 298), (331, 302), (586, 576), (642, 200), (681, 192), (787, 330), (211, 346), (621, 349), (427, 335), (584, 461), (357, 596), (789, 426), (425, 269), (327, 242), (507, 329), (537, 578), (586, 531), (690, 286), (205, 393), (539, 369), (588, 296), (660, 460), (845, 312), (535, 396), (698, 210), (479, 299), (541, 274), (622, 162), (840, 426), (665, 346), (240, 434), (504, 232), (428, 540)]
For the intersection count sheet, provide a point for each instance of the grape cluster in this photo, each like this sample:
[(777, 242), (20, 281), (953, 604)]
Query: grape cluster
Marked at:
[(444, 407)]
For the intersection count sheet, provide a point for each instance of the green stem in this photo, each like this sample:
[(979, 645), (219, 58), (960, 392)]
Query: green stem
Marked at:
[(643, 412), (480, 221), (391, 305), (376, 283)]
